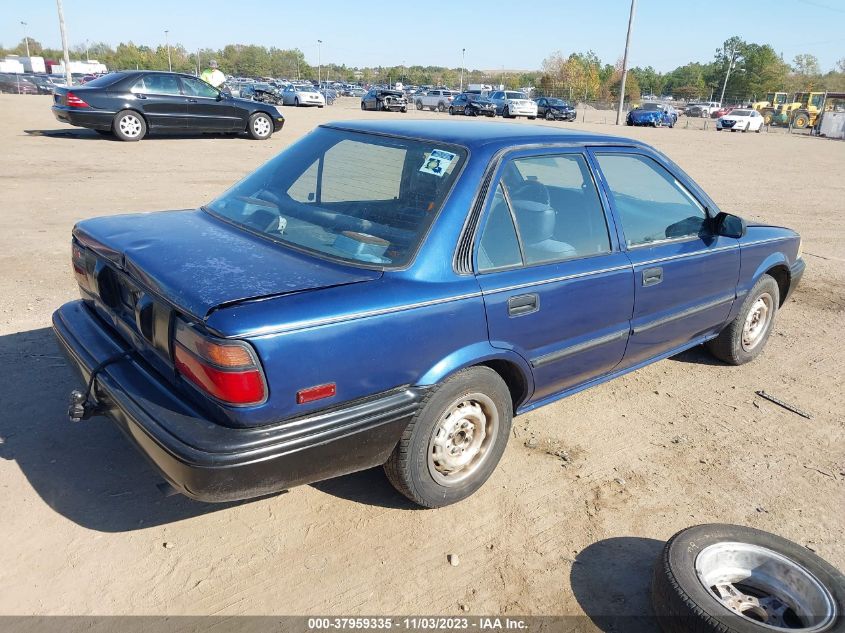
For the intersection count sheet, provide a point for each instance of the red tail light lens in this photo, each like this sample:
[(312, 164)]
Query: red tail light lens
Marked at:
[(75, 102), (228, 371)]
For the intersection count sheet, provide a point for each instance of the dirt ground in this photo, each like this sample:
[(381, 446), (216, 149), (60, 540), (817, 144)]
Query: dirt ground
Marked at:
[(682, 442)]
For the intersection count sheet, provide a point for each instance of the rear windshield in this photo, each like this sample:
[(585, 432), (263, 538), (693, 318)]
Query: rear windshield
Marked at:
[(105, 80), (352, 196)]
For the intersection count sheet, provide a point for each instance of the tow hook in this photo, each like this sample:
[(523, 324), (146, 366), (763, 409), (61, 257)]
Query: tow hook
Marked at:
[(82, 406)]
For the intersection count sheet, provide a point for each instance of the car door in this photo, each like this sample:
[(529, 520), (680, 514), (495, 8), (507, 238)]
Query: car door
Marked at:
[(158, 96), (288, 95), (557, 289), (685, 276), (459, 104), (541, 107), (208, 109)]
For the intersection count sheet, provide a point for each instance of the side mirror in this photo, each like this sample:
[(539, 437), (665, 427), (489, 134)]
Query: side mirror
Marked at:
[(728, 225)]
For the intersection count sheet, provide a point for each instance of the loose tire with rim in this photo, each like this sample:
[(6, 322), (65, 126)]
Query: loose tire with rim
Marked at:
[(455, 441), (744, 338), (734, 579), (129, 125), (260, 126)]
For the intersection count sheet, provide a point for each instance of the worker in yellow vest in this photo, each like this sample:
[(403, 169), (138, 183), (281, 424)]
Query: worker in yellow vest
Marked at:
[(213, 75)]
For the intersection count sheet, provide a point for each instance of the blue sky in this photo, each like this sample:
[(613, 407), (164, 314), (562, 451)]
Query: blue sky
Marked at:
[(496, 34)]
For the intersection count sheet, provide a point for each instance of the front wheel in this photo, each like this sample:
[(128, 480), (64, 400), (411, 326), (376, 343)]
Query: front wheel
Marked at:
[(744, 338), (260, 126), (451, 110), (733, 579), (549, 116), (455, 441), (420, 105), (128, 125), (506, 113), (363, 106)]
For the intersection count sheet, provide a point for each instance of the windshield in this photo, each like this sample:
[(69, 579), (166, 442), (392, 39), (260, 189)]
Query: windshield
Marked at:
[(515, 95), (347, 195), (305, 89), (557, 102), (741, 113)]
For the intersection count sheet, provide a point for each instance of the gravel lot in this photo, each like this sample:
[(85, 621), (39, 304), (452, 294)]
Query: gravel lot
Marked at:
[(681, 442)]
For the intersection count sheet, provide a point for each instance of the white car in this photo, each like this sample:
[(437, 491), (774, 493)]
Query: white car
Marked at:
[(511, 103), (742, 120), (302, 96)]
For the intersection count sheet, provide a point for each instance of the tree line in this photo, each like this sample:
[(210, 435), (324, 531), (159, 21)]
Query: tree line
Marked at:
[(755, 69)]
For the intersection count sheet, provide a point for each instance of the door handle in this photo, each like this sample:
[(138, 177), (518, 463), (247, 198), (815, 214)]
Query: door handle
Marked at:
[(652, 276), (192, 100), (140, 96), (523, 304)]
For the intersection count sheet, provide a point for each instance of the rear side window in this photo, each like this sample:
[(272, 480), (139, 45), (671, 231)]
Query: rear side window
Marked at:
[(555, 206), (106, 80), (653, 205), (158, 84)]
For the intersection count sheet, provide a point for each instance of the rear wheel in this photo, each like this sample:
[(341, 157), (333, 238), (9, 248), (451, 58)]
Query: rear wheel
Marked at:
[(549, 116), (129, 125), (455, 441), (451, 110), (260, 126), (744, 338), (420, 105), (363, 107), (441, 107)]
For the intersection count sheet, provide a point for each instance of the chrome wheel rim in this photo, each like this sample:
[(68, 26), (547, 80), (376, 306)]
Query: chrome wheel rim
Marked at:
[(261, 126), (130, 125), (765, 587), (757, 322), (462, 439)]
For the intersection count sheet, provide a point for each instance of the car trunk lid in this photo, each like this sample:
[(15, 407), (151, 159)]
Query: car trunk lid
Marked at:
[(198, 263)]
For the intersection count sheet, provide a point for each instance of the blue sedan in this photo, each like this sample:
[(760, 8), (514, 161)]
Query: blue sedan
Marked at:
[(393, 293), (653, 115)]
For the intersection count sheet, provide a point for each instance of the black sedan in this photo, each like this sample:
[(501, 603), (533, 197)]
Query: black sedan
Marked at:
[(129, 104), (555, 109), (381, 99), (472, 105)]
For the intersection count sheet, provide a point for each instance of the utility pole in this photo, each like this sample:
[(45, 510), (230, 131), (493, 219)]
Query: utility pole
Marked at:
[(463, 57), (65, 53), (319, 62), (25, 38), (731, 64), (167, 41), (625, 63), (87, 56)]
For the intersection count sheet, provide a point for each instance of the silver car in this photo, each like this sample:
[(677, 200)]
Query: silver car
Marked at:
[(302, 96), (512, 103)]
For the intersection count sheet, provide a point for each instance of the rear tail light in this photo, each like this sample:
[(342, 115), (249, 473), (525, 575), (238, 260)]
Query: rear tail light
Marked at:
[(228, 371), (75, 102), (79, 262)]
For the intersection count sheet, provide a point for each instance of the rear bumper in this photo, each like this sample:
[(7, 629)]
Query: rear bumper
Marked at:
[(210, 462), (93, 119)]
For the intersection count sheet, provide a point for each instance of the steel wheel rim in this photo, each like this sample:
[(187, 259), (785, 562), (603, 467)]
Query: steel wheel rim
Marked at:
[(261, 126), (130, 125), (462, 439), (757, 322), (765, 587)]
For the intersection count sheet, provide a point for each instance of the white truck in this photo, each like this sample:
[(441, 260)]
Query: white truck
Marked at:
[(437, 99)]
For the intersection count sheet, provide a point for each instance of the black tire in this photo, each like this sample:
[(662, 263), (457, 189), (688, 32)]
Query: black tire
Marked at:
[(404, 110), (506, 113), (129, 125), (549, 116), (683, 604), (451, 110), (531, 118), (441, 107), (363, 106), (408, 468), (260, 126), (420, 105), (296, 101), (729, 346)]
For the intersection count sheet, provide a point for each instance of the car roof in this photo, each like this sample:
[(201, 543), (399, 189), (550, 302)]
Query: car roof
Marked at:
[(478, 133)]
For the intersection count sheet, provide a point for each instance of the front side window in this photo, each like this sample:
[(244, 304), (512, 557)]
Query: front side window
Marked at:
[(554, 204), (198, 88), (347, 195), (653, 205)]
